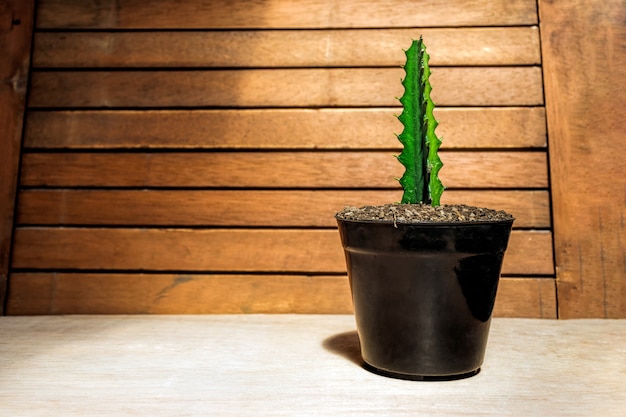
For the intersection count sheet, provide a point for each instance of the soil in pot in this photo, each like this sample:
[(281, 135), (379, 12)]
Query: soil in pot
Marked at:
[(423, 213)]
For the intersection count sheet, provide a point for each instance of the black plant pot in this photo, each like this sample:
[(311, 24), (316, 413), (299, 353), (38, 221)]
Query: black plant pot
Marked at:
[(423, 294)]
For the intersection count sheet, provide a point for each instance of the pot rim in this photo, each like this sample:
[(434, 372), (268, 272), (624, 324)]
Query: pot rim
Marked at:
[(428, 224)]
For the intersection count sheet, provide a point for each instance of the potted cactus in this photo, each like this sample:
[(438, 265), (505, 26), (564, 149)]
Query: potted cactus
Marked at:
[(423, 275)]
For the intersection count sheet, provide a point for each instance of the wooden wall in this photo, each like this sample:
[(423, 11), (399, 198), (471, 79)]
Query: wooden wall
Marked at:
[(188, 157)]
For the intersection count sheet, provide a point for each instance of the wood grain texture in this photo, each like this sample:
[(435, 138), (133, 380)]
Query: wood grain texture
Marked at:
[(319, 87), (244, 208), (85, 293), (16, 22), (282, 365), (235, 250), (281, 48), (166, 150), (250, 14), (277, 169), (585, 109), (50, 293), (497, 127), (526, 297)]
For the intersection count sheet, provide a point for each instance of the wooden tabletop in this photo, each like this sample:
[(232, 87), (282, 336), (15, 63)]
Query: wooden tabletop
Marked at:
[(294, 365)]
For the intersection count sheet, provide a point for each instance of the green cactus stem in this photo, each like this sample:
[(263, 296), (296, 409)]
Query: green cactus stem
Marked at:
[(419, 156)]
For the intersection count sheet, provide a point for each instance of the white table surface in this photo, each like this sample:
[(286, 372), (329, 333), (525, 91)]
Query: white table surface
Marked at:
[(294, 365)]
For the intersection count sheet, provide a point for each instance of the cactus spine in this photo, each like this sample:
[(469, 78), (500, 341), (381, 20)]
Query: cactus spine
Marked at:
[(420, 181)]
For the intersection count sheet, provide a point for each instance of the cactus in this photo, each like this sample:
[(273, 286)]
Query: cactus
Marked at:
[(420, 181)]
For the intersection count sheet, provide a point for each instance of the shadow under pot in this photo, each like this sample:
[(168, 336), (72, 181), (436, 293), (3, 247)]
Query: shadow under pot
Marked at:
[(423, 294)]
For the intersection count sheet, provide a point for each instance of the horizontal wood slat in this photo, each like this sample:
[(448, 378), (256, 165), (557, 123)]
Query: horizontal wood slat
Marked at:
[(271, 48), (497, 127), (236, 250), (178, 294), (277, 169), (526, 297), (79, 293), (202, 14), (459, 86), (244, 208)]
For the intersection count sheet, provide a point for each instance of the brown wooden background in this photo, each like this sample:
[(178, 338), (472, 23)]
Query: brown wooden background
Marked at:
[(169, 147)]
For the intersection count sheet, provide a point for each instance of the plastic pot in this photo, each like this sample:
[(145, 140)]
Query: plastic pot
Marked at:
[(423, 294)]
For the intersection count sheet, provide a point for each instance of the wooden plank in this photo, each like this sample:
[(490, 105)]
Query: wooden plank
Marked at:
[(277, 169), (494, 127), (178, 294), (526, 297), (250, 14), (585, 109), (244, 208), (275, 49), (336, 87), (236, 250), (84, 293), (16, 24)]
